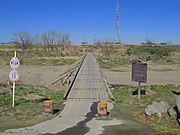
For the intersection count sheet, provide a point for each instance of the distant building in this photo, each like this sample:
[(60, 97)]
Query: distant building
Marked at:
[(13, 43), (84, 43), (163, 43)]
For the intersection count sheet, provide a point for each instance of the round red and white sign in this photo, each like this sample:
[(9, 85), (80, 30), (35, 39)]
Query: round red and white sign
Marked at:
[(14, 76), (14, 63)]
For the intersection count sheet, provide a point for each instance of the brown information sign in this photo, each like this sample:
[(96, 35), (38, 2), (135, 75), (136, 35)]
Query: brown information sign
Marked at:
[(139, 72)]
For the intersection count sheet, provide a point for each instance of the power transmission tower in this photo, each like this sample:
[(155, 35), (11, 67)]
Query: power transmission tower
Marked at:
[(116, 39)]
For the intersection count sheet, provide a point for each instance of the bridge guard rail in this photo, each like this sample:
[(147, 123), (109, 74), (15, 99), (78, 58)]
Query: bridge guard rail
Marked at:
[(108, 89), (72, 82)]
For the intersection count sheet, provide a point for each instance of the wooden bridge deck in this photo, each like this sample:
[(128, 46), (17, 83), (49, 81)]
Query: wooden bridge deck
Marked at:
[(89, 84)]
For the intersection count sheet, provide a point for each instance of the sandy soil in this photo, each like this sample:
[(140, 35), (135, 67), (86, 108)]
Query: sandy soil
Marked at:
[(165, 74), (43, 76), (34, 75)]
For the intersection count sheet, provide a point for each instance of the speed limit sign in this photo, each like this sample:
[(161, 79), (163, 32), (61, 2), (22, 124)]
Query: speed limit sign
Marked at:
[(14, 76)]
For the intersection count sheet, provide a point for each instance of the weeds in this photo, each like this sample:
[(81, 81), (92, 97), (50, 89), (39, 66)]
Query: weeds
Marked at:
[(151, 53), (104, 63), (164, 125), (26, 108)]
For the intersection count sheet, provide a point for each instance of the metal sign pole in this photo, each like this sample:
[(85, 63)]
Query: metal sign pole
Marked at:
[(14, 84), (139, 90), (15, 54)]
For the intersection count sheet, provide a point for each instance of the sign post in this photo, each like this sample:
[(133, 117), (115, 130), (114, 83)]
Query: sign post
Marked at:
[(14, 75), (14, 85), (139, 74)]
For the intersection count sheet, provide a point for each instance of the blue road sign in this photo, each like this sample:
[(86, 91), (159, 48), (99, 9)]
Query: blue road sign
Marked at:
[(14, 63)]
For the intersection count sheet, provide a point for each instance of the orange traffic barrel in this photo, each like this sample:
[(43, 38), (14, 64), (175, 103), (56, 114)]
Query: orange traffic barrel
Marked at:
[(48, 106), (102, 109)]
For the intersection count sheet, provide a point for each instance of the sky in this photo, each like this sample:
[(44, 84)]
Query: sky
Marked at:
[(157, 20)]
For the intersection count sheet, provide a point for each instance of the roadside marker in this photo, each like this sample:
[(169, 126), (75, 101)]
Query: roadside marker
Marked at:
[(14, 63), (14, 75)]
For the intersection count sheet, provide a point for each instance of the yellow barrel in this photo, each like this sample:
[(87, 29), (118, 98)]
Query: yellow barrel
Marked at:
[(102, 109), (48, 106), (102, 104)]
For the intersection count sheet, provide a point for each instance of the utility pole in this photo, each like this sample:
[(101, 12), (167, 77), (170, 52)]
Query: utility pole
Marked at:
[(116, 39)]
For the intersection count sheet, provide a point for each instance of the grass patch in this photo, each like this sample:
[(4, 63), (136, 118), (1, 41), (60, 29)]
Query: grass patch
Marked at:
[(109, 55), (26, 107), (121, 61), (23, 91), (46, 61), (36, 59), (151, 53), (164, 125), (108, 63)]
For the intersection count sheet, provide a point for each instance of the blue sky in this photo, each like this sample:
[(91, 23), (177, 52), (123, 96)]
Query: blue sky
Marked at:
[(158, 20)]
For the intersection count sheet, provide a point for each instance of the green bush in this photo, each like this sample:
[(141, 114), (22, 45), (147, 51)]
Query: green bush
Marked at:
[(5, 98), (121, 61), (117, 61), (153, 53)]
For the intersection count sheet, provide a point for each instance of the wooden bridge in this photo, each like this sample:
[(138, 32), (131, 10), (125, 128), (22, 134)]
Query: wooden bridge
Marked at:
[(88, 82)]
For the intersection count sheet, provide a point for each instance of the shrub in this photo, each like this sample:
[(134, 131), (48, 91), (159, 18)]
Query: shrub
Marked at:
[(147, 53)]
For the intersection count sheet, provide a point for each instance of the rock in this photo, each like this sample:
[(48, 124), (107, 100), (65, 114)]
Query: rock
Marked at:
[(177, 98), (1, 110), (172, 113), (143, 92), (157, 108)]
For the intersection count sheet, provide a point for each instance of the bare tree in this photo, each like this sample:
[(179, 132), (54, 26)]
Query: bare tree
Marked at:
[(108, 41), (65, 40), (97, 41), (24, 39), (45, 42), (169, 42), (51, 39), (37, 40), (108, 47)]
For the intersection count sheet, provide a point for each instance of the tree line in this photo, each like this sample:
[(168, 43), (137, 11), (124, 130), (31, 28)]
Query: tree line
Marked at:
[(51, 40)]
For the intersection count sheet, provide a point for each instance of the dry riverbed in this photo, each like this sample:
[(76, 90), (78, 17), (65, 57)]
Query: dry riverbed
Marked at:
[(45, 75), (157, 75)]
